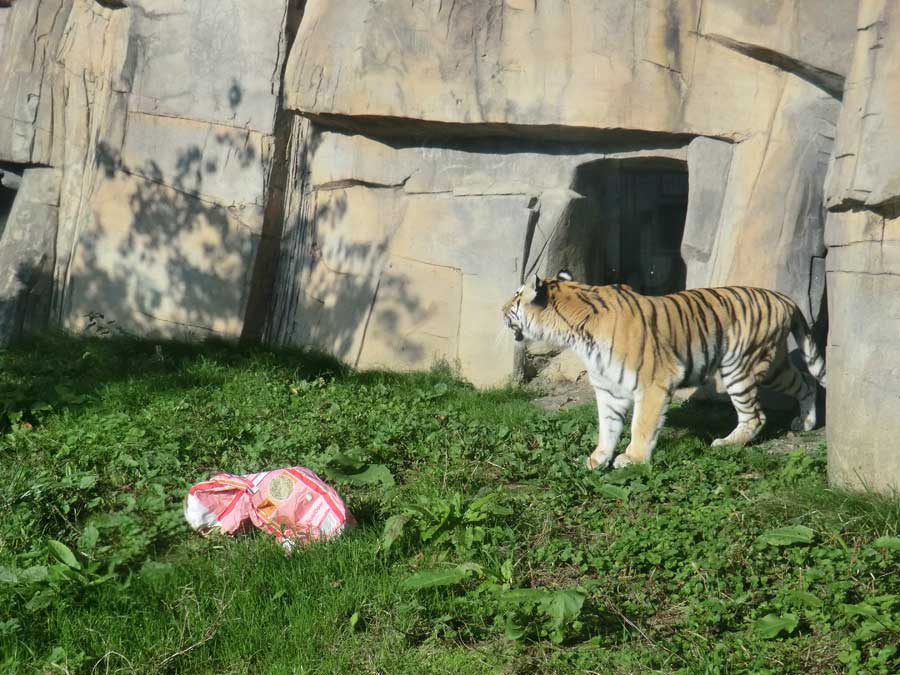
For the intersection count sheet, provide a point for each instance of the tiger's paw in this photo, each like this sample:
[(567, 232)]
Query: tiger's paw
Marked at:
[(719, 441), (622, 460), (801, 424), (598, 460)]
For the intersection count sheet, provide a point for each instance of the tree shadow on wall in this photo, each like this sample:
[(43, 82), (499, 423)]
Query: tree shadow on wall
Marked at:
[(337, 286), (166, 254), (174, 258), (161, 253)]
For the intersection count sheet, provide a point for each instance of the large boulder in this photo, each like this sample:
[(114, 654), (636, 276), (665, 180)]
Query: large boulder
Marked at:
[(402, 256), (554, 69), (32, 91), (584, 91), (164, 119), (865, 171), (863, 238), (27, 256)]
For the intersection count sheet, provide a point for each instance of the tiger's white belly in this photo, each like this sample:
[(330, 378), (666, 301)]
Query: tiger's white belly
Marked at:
[(606, 372)]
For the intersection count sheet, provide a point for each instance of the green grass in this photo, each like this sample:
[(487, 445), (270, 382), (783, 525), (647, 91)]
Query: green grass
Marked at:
[(494, 551)]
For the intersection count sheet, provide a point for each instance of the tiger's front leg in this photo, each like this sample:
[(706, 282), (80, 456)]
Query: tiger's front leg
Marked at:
[(611, 412), (650, 407)]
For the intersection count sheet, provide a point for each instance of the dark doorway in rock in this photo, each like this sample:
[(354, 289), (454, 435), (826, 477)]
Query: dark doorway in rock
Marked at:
[(628, 226)]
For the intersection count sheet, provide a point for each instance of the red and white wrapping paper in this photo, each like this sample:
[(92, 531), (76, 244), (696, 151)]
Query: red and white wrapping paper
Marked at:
[(292, 504)]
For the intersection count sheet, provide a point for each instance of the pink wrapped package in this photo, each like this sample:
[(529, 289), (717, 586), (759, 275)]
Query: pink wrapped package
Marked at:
[(293, 504)]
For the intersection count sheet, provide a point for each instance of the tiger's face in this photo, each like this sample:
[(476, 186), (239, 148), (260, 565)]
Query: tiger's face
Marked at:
[(520, 312), (514, 310)]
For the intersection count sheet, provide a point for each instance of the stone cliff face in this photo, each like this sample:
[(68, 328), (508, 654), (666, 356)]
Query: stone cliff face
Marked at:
[(162, 119), (377, 178), (863, 237), (449, 137)]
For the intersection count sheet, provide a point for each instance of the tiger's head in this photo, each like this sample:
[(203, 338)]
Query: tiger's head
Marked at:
[(522, 311)]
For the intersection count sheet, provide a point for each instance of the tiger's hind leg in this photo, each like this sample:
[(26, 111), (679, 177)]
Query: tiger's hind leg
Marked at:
[(741, 385), (787, 379)]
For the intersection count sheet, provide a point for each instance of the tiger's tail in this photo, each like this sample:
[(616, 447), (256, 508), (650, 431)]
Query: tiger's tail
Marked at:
[(806, 343)]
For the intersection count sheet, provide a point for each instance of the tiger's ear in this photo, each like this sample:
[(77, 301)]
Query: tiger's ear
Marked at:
[(564, 275), (540, 292)]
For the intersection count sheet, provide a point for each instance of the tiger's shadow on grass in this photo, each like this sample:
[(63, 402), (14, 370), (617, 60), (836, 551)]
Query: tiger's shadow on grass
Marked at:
[(710, 420)]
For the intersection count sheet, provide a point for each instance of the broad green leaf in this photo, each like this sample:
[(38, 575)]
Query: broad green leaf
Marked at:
[(9, 627), (486, 504), (435, 577), (523, 596), (626, 474), (473, 567), (785, 536), (39, 601), (439, 514), (8, 575), (771, 625), (861, 609), (34, 574), (63, 553), (506, 570), (58, 655), (512, 629), (890, 543), (87, 481), (354, 619), (563, 607), (88, 538), (613, 492), (803, 599), (393, 529), (869, 628), (346, 470)]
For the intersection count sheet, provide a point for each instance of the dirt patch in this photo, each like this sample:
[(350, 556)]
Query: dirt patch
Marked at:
[(562, 395), (804, 440)]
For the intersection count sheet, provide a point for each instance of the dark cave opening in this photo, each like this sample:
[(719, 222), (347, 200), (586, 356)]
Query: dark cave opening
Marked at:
[(628, 226)]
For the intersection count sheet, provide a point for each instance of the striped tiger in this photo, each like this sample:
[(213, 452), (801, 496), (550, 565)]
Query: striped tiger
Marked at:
[(639, 349)]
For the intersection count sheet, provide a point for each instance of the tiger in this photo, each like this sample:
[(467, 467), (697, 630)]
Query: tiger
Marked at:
[(639, 349)]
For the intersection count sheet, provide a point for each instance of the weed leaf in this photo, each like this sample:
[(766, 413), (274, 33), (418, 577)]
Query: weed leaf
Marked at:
[(771, 625), (890, 543), (439, 577), (346, 470), (785, 536), (63, 553), (613, 492), (393, 530), (88, 538), (563, 607)]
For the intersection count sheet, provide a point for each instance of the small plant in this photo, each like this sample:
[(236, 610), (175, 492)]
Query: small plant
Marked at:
[(539, 613), (447, 523)]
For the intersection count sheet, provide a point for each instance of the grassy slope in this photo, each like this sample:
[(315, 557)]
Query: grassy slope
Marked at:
[(667, 561)]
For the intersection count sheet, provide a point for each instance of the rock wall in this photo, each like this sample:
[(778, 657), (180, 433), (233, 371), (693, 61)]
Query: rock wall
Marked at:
[(376, 178), (27, 243), (163, 123), (447, 140), (407, 253), (863, 238)]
